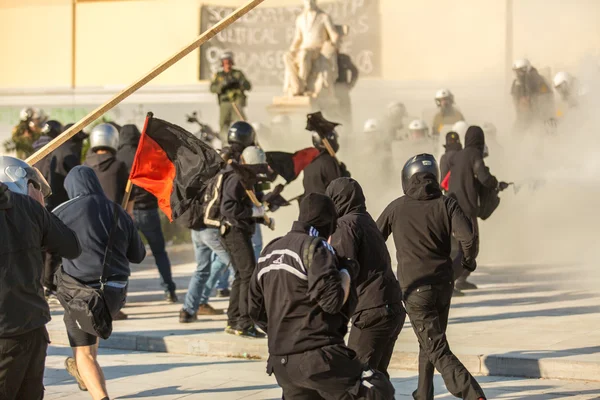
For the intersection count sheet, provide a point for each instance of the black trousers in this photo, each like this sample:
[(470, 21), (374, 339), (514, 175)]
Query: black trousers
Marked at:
[(374, 333), (239, 245), (428, 308), (22, 361), (330, 372)]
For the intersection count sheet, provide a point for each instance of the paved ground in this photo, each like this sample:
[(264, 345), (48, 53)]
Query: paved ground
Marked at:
[(525, 320), (137, 375)]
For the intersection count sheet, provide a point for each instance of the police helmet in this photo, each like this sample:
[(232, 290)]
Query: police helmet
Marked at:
[(396, 110), (371, 126), (418, 129), (104, 136), (242, 133), (227, 55), (253, 155), (443, 94), (282, 120), (331, 137), (419, 163), (522, 64), (52, 129), (17, 175), (461, 127), (26, 114)]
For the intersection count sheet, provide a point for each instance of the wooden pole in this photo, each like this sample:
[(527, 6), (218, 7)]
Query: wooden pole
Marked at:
[(98, 112), (257, 203), (237, 111)]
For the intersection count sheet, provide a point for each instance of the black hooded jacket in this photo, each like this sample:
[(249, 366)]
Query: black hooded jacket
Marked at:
[(446, 160), (422, 223), (27, 230), (469, 173), (55, 166), (357, 237), (111, 172), (90, 214), (320, 172), (129, 138)]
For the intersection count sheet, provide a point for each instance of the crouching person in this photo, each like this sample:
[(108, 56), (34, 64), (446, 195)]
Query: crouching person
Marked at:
[(298, 295), (107, 250)]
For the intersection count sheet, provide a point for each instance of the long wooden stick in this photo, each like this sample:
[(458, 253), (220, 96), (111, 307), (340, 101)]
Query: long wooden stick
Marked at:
[(98, 112), (237, 111), (129, 186), (257, 203)]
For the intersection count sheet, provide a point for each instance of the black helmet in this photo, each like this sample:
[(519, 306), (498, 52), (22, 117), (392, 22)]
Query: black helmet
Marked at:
[(419, 163), (331, 137), (242, 133), (52, 128)]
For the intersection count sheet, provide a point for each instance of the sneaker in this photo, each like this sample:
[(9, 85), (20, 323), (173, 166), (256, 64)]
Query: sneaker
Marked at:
[(71, 367), (457, 293), (464, 285), (251, 332), (120, 316), (222, 292), (171, 297), (51, 296), (185, 317), (207, 309), (231, 330)]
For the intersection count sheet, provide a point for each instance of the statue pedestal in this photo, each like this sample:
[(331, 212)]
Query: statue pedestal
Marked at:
[(291, 104)]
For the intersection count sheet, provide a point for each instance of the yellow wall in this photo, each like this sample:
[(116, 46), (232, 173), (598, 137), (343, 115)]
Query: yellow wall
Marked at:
[(35, 43), (439, 40)]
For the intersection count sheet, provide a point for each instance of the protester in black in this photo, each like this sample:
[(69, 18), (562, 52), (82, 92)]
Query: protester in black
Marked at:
[(379, 314), (469, 178), (91, 214), (240, 216), (145, 212), (324, 168), (452, 147), (27, 230), (112, 173), (422, 223), (298, 294)]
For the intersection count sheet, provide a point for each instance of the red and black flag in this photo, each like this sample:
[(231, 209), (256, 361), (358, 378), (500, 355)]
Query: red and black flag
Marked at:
[(290, 165), (173, 165)]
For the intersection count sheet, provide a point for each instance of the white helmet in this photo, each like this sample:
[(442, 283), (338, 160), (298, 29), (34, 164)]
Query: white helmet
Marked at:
[(521, 64), (460, 127), (562, 78), (371, 126), (227, 55), (17, 175), (418, 129), (443, 94), (104, 136), (253, 155), (26, 114)]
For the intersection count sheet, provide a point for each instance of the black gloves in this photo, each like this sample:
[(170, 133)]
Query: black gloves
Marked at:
[(469, 265), (503, 185)]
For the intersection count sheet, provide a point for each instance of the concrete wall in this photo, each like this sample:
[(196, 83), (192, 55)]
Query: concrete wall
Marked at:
[(433, 40)]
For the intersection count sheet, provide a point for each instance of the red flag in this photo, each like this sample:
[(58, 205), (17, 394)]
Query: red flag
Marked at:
[(290, 165), (446, 182), (173, 165)]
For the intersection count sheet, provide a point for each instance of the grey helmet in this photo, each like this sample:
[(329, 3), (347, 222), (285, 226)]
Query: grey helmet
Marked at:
[(253, 155), (419, 163), (104, 136), (17, 175)]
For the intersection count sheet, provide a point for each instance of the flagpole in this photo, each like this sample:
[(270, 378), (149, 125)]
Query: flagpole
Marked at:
[(98, 112), (129, 186)]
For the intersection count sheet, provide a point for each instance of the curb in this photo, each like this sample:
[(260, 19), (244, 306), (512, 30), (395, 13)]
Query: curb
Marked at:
[(497, 365)]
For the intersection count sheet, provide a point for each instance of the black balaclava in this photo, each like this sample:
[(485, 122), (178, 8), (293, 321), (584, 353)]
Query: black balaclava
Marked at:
[(318, 211)]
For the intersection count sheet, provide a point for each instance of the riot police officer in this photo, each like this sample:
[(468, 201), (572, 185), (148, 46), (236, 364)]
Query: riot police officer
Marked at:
[(448, 114), (230, 85)]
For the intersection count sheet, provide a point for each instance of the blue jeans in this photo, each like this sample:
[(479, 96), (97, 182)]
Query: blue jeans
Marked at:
[(257, 244), (206, 242), (148, 222)]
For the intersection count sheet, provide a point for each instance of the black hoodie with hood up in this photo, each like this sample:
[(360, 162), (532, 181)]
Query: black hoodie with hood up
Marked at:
[(27, 230), (357, 237), (111, 172), (469, 172), (422, 223), (129, 138), (90, 214)]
